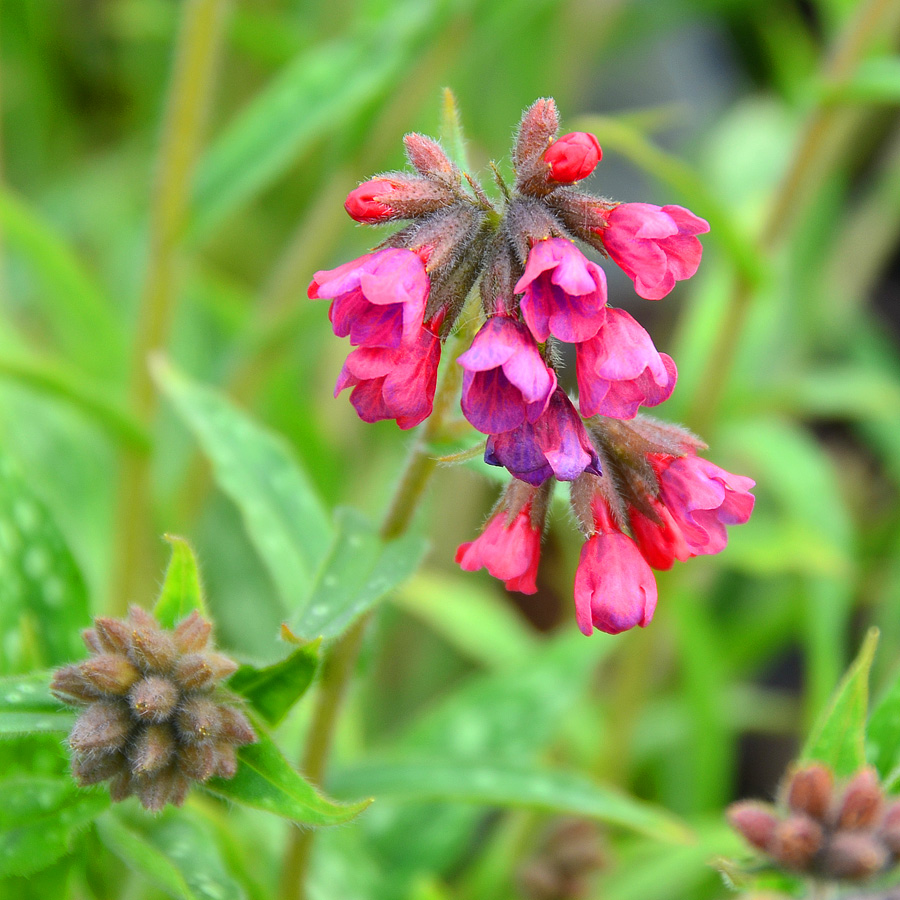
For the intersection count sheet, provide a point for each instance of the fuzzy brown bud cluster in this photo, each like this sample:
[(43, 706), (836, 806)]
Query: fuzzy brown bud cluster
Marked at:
[(848, 832), (153, 721)]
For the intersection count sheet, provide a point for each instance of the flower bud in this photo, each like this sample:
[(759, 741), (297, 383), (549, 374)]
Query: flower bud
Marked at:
[(153, 750), (362, 206), (196, 671), (69, 687), (890, 828), (854, 856), (796, 841), (808, 790), (198, 761), (168, 786), (152, 649), (154, 699), (755, 822), (109, 673), (93, 769), (192, 634), (113, 635), (235, 727), (573, 157), (199, 719), (103, 727), (226, 760), (427, 157), (862, 803)]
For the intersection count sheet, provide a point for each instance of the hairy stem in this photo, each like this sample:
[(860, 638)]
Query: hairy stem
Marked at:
[(824, 136), (191, 87), (420, 465)]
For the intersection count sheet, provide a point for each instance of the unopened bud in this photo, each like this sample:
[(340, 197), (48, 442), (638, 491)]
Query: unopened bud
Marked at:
[(92, 640), (114, 635), (192, 634), (808, 790), (362, 206), (854, 856), (198, 761), (151, 649), (109, 673), (573, 157), (154, 699), (92, 769), (153, 750), (754, 821), (234, 726), (102, 727), (536, 132), (862, 803), (168, 786), (199, 719), (427, 157), (196, 671), (226, 760), (890, 828), (796, 841), (69, 687)]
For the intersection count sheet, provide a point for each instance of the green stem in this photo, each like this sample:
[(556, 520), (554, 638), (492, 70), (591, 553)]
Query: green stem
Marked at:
[(193, 78), (339, 667), (827, 130)]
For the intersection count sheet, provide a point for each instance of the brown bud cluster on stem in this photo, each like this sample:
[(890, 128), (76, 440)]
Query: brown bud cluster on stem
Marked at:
[(839, 833), (153, 721)]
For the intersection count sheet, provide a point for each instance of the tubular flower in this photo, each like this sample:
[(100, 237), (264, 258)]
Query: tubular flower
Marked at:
[(506, 380), (654, 246), (640, 493), (620, 370), (152, 721), (563, 293)]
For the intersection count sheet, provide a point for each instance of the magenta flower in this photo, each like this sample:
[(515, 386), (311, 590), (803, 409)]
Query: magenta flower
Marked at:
[(619, 369), (573, 157), (564, 294), (661, 542), (556, 444), (378, 299), (703, 499), (506, 380), (509, 550), (614, 587), (654, 246), (393, 382), (362, 206)]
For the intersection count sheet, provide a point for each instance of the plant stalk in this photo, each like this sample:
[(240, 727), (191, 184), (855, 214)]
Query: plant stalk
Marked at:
[(190, 90)]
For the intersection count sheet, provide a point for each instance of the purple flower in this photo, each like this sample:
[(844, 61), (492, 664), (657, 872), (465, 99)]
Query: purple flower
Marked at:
[(556, 444), (506, 380), (703, 499), (378, 299), (564, 294), (393, 383), (654, 246), (620, 369)]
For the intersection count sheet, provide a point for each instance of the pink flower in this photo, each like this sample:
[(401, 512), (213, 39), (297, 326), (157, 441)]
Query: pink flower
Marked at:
[(702, 500), (362, 206), (393, 383), (506, 379), (556, 444), (564, 294), (378, 299), (660, 542), (614, 587), (619, 369), (509, 550), (573, 157), (654, 246)]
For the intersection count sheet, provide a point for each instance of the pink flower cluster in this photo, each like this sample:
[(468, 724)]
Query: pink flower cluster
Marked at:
[(641, 494)]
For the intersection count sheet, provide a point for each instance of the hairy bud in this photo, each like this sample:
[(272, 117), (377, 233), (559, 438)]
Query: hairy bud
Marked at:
[(755, 822), (854, 855), (796, 841), (808, 790), (109, 673), (573, 157), (427, 158), (154, 698), (192, 635), (862, 803)]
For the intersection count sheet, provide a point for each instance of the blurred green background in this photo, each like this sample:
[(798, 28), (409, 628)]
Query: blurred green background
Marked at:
[(175, 195)]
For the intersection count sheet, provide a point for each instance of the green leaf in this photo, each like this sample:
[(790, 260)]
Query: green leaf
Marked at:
[(283, 515), (266, 780), (181, 592), (876, 80), (27, 706), (838, 738), (274, 689), (560, 792), (38, 817), (176, 852), (75, 308), (883, 733), (452, 137), (43, 599), (359, 571)]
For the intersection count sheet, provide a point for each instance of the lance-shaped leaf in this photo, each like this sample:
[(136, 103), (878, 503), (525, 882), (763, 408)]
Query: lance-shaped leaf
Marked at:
[(181, 592), (38, 817), (283, 516), (176, 852), (560, 792), (28, 707), (273, 690), (360, 569), (266, 780), (838, 738), (43, 600), (883, 735)]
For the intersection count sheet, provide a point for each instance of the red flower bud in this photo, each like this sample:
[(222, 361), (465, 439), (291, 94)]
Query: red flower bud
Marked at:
[(573, 157), (362, 206)]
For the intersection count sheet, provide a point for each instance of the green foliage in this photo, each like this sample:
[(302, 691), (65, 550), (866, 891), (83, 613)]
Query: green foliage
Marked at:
[(27, 706), (181, 592)]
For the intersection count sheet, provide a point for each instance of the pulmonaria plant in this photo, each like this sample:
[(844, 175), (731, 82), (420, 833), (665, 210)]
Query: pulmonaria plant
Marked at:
[(641, 494), (152, 719)]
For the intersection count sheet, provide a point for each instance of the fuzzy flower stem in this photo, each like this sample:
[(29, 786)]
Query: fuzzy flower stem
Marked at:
[(193, 81), (826, 129), (420, 465)]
